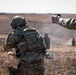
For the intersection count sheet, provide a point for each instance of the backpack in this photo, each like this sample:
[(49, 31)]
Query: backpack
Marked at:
[(33, 39)]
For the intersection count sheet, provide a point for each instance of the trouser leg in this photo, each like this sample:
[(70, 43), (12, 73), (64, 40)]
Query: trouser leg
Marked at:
[(12, 71)]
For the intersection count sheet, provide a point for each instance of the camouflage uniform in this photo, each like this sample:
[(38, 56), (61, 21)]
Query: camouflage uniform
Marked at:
[(30, 63)]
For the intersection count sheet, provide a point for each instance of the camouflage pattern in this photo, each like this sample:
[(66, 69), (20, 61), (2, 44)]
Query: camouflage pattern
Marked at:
[(69, 23), (31, 63), (17, 20), (34, 68)]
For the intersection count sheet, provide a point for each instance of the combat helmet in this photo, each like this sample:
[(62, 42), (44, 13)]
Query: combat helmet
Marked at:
[(17, 21)]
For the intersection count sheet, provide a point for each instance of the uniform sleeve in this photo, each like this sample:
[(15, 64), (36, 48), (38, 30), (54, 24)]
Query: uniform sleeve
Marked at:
[(10, 42)]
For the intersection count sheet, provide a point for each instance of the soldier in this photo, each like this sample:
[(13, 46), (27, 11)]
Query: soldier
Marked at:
[(30, 48)]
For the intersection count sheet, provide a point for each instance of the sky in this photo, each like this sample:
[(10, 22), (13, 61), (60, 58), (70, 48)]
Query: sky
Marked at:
[(38, 6)]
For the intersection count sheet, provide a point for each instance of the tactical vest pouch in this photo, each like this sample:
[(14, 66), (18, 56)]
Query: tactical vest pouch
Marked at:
[(33, 39)]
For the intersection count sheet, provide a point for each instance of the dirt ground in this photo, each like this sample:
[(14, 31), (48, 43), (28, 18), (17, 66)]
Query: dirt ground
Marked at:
[(62, 61)]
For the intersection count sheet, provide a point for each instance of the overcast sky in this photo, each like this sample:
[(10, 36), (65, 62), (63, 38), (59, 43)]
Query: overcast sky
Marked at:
[(38, 6)]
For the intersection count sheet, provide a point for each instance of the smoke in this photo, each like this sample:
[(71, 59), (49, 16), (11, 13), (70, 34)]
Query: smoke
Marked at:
[(58, 34)]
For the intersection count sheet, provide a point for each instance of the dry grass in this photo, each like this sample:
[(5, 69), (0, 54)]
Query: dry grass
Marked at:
[(64, 62)]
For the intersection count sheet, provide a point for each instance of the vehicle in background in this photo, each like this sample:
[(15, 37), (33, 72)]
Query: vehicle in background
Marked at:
[(55, 18)]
